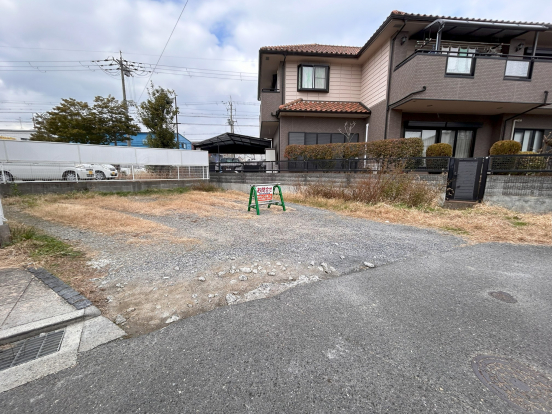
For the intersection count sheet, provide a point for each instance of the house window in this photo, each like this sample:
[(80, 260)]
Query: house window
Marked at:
[(308, 138), (530, 139), (313, 78), (461, 140), (460, 61)]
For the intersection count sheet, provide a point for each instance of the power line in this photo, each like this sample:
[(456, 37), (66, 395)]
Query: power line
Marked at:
[(163, 51), (128, 53)]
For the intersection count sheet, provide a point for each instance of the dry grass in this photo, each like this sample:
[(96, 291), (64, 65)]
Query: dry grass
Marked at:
[(115, 214), (481, 224)]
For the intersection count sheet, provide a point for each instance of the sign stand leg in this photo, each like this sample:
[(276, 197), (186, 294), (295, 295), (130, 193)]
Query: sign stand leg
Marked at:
[(281, 196), (250, 198)]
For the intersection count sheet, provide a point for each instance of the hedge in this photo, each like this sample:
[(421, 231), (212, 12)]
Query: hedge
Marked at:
[(508, 147), (388, 148), (439, 150)]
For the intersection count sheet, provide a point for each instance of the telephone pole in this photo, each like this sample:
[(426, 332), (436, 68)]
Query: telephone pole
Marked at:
[(124, 72), (230, 108), (177, 136)]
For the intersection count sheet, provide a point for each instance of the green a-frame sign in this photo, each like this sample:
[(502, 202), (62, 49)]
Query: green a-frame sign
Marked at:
[(264, 195)]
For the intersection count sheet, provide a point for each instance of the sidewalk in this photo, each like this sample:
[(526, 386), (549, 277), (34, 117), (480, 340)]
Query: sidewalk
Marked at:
[(44, 325)]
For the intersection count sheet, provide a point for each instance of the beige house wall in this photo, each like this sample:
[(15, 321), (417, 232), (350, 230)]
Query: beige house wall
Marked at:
[(344, 82), (374, 77)]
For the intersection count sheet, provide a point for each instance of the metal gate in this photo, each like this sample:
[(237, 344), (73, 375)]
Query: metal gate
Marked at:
[(467, 178)]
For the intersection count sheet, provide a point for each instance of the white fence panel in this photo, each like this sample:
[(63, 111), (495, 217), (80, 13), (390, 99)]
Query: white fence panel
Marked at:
[(33, 151), (104, 154), (25, 151), (198, 158)]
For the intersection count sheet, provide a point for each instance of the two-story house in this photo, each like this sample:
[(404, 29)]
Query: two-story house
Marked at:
[(466, 82)]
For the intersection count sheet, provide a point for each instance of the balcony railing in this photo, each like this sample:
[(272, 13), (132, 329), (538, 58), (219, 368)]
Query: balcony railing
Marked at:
[(464, 63)]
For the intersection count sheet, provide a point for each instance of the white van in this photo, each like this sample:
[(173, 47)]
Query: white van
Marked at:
[(101, 171), (43, 172)]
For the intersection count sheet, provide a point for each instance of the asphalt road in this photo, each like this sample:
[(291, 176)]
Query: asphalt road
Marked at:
[(399, 338)]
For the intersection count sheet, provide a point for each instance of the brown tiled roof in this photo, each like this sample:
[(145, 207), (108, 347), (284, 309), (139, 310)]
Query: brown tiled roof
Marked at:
[(315, 48), (300, 105)]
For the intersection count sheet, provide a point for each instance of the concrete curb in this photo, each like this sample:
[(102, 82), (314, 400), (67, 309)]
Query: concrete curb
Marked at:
[(65, 291)]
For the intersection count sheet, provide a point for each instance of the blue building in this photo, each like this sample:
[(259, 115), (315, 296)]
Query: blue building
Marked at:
[(139, 141)]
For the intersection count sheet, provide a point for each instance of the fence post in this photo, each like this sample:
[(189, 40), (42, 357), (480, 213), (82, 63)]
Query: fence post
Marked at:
[(178, 172), (132, 169)]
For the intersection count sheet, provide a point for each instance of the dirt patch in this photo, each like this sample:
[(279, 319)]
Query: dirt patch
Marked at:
[(481, 224), (148, 307)]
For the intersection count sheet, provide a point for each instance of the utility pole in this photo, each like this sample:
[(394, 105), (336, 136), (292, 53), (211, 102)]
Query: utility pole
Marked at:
[(177, 136), (124, 72), (231, 119)]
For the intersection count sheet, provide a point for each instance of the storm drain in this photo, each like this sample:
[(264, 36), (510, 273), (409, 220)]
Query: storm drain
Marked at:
[(30, 349), (521, 386)]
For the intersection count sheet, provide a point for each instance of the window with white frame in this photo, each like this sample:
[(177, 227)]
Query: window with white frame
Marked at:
[(313, 78)]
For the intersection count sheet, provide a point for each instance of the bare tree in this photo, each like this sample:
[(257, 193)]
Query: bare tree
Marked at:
[(547, 143), (348, 128)]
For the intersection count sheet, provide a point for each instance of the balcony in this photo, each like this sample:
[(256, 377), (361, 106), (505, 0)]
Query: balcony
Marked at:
[(271, 99), (517, 81)]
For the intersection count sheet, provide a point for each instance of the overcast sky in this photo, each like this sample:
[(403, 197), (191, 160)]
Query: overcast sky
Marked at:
[(217, 40)]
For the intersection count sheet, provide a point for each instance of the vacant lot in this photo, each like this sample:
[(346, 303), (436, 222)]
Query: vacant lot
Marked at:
[(149, 259)]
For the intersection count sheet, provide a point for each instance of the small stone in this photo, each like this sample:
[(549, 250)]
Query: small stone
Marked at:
[(268, 263), (291, 278), (337, 244), (232, 258), (221, 273), (320, 268), (120, 319), (190, 305), (272, 273), (387, 221), (342, 257), (231, 298), (165, 277), (255, 271), (176, 268), (158, 307), (278, 264), (233, 267), (120, 285), (233, 281), (254, 264), (172, 319), (232, 271), (210, 295), (246, 269), (332, 269), (110, 298), (131, 309), (243, 278), (201, 279), (311, 263), (263, 271), (194, 296), (259, 267), (284, 268), (368, 264)]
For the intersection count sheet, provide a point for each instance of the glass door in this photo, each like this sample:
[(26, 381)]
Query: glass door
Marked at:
[(464, 144)]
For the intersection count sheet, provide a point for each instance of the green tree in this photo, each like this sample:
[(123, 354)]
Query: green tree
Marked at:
[(112, 120), (157, 114), (105, 122), (70, 121)]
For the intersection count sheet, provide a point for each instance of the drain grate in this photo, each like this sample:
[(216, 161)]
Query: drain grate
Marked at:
[(503, 296), (29, 349), (521, 386)]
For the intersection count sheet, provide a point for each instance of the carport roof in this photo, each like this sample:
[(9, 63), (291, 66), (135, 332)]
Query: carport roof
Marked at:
[(234, 144)]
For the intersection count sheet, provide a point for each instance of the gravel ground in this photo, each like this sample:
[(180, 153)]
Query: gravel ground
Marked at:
[(147, 284)]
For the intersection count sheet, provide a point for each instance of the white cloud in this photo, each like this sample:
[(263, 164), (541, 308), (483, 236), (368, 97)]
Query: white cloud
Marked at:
[(228, 30)]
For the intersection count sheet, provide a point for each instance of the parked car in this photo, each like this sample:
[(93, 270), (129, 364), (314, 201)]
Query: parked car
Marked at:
[(229, 164), (43, 172), (102, 171)]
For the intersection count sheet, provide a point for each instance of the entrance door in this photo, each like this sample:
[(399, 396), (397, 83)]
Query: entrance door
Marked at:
[(467, 178)]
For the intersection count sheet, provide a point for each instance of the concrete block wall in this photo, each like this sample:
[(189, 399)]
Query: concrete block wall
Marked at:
[(45, 187), (289, 181), (522, 193)]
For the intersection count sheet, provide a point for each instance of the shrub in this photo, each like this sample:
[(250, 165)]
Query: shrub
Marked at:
[(395, 187), (439, 150), (508, 147), (388, 148)]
